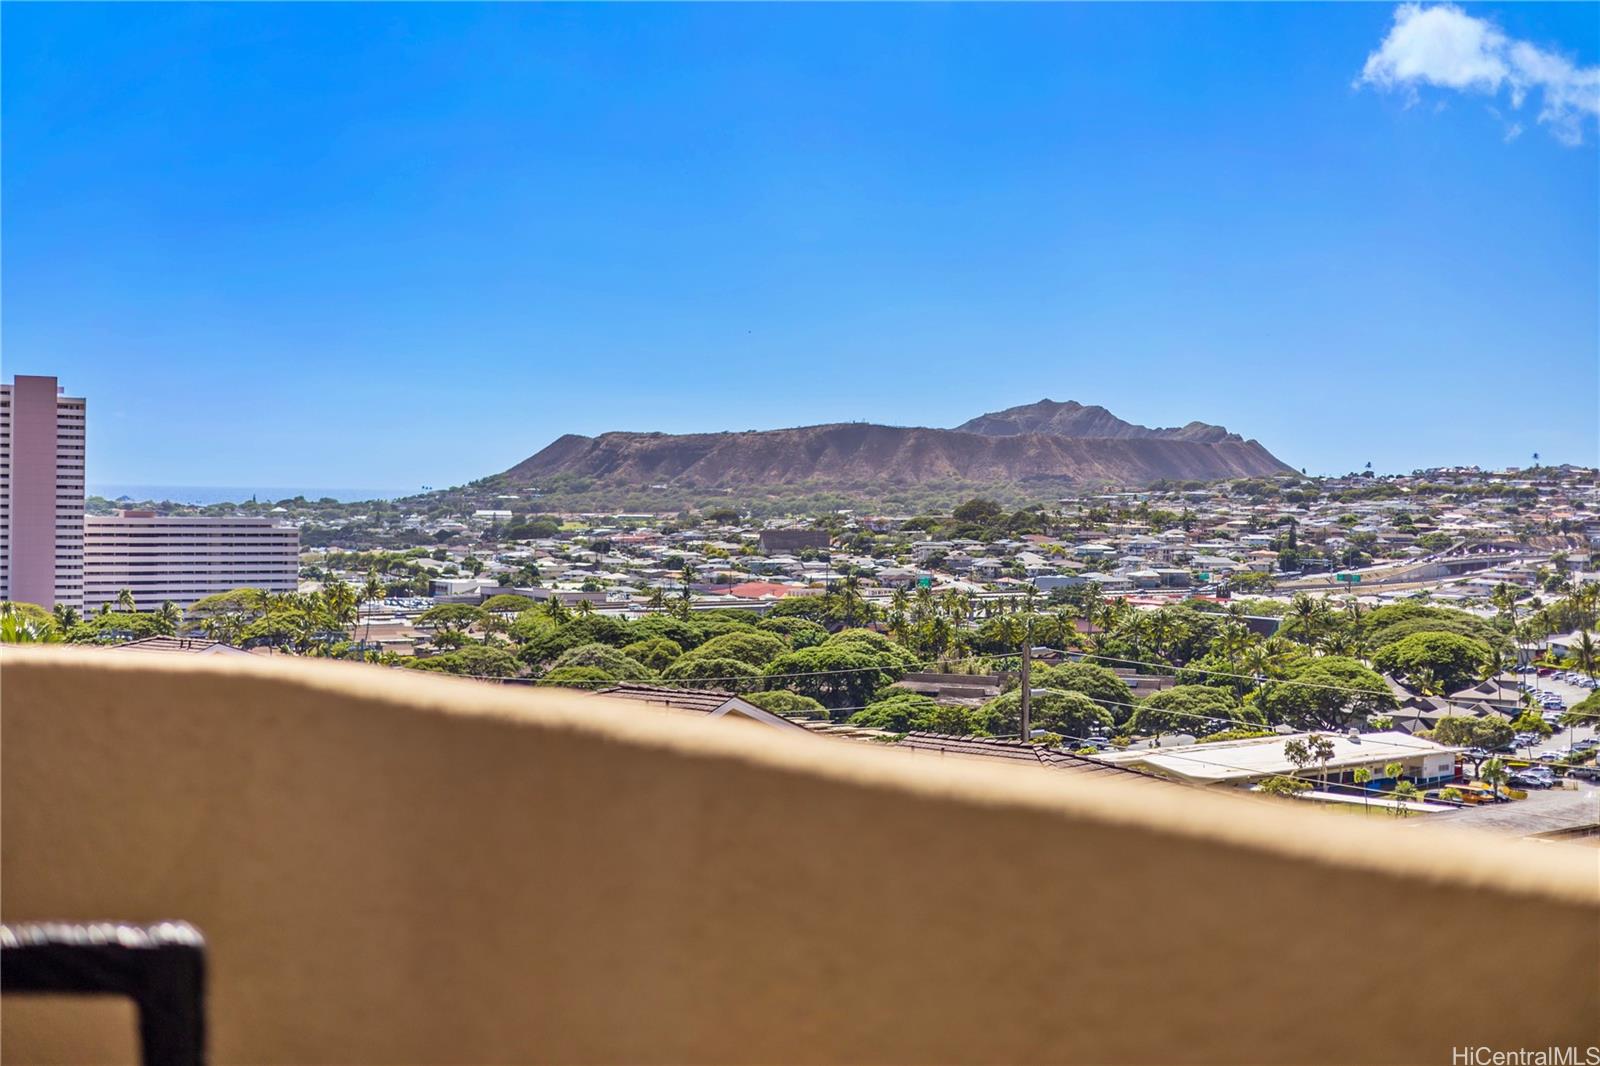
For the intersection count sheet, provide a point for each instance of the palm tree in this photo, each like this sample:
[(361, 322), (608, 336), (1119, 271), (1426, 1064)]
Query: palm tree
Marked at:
[(1586, 603), (1230, 642), (1306, 614), (1322, 749), (125, 601), (848, 589), (1394, 771), (1340, 641), (169, 615), (340, 601), (1493, 667), (1362, 776), (1586, 654), (686, 596), (1494, 772), (371, 592), (67, 616)]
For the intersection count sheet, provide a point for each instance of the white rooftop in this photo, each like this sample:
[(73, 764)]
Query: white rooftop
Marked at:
[(1240, 760)]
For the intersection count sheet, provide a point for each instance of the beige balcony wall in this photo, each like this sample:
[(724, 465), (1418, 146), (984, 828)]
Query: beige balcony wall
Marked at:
[(397, 868)]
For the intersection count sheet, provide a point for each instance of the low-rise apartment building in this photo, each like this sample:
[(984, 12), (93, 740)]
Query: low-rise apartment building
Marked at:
[(184, 559)]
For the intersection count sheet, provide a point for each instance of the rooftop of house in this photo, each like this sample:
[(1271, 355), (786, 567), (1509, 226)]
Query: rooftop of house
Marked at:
[(187, 645), (1013, 751)]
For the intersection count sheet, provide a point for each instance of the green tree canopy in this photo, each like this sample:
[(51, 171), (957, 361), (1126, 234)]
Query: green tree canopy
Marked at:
[(1585, 712), (874, 644), (1196, 709), (656, 654), (545, 645), (814, 608), (779, 701), (748, 646), (1327, 692), (1388, 625), (1462, 731), (224, 615), (1068, 713), (587, 678), (613, 661), (506, 603), (457, 616), (115, 627), (1450, 661), (476, 660), (1099, 683), (837, 675), (686, 635), (907, 712), (728, 675), (799, 632)]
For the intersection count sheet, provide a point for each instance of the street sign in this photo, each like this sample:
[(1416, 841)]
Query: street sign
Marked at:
[(1349, 579)]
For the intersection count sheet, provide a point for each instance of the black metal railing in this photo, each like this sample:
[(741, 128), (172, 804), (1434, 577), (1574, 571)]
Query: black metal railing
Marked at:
[(160, 967)]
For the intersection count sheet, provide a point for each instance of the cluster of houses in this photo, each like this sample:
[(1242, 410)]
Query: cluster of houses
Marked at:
[(1455, 535)]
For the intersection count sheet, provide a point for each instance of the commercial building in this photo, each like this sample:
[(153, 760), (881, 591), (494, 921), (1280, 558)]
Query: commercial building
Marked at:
[(186, 558), (793, 540), (41, 493), (1245, 763)]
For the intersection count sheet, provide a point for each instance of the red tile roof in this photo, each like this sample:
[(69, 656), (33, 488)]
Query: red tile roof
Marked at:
[(755, 590)]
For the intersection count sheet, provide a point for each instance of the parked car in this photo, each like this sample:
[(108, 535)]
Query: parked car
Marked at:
[(1533, 777), (1587, 773)]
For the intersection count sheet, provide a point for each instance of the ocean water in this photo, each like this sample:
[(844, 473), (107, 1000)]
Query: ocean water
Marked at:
[(204, 494)]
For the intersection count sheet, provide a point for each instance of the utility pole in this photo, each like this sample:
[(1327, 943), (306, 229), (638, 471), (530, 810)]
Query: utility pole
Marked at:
[(1027, 681)]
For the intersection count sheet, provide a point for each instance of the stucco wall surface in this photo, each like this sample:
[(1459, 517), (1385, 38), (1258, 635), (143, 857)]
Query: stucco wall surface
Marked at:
[(398, 868)]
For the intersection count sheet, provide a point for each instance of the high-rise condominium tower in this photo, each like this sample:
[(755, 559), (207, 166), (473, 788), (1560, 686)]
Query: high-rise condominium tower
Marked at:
[(41, 493)]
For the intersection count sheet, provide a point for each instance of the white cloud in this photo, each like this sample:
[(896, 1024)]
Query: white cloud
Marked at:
[(1445, 47)]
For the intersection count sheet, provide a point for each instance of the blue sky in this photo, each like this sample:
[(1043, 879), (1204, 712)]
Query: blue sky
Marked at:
[(395, 245)]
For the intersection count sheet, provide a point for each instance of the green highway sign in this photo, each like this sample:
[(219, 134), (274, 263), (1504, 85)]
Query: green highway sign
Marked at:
[(1349, 579)]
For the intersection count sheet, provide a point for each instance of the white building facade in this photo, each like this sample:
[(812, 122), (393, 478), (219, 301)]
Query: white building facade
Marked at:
[(41, 493), (184, 558)]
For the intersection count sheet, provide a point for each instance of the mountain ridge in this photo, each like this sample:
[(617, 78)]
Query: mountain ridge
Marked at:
[(1073, 419), (1079, 445)]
